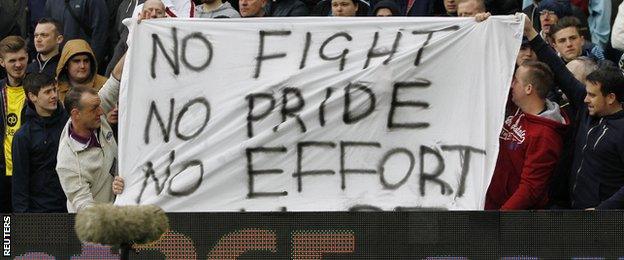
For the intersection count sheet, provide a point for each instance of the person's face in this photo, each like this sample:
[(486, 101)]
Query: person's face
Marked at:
[(548, 19), (89, 115), (153, 9), (597, 104), (568, 43), (383, 12), (15, 63), (525, 54), (251, 8), (519, 85), (467, 9), (79, 68), (343, 8), (46, 99), (450, 6), (47, 38)]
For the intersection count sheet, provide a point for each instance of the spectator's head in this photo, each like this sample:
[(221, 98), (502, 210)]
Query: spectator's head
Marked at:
[(252, 8), (605, 91), (344, 7), (531, 82), (550, 12), (566, 38), (83, 106), (153, 9), (581, 67), (14, 58), (386, 8), (48, 36), (41, 91), (469, 8), (77, 64), (450, 6), (525, 53)]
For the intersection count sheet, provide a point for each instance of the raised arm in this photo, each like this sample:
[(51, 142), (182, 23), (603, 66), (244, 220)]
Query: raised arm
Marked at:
[(574, 89)]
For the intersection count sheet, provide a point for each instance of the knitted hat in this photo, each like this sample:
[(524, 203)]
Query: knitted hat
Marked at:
[(552, 5), (394, 8)]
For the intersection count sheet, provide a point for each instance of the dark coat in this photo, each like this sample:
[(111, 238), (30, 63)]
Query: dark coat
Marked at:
[(91, 25), (36, 186), (118, 33), (281, 8), (597, 177), (48, 68), (12, 18), (503, 7)]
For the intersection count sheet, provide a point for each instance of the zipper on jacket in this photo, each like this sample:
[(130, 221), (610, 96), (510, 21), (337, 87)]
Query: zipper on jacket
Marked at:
[(600, 137), (578, 171)]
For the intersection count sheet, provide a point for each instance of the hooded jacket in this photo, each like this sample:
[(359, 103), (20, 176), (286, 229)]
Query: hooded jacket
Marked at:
[(530, 146), (86, 174), (72, 48), (36, 186), (597, 177)]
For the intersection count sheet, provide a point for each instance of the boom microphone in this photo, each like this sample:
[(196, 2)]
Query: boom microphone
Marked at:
[(121, 225)]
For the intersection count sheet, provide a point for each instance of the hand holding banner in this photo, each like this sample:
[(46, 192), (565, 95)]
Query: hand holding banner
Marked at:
[(314, 114)]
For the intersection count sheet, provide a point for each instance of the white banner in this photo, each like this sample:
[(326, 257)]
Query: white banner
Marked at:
[(314, 114)]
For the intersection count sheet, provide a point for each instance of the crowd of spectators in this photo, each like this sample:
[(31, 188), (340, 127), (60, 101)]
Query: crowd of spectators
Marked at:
[(561, 146)]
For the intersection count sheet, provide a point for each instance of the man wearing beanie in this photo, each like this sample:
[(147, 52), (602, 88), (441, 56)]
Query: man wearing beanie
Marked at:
[(550, 11), (386, 8)]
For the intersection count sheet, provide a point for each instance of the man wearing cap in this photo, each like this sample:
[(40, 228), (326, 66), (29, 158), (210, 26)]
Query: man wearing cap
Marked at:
[(386, 8), (550, 11)]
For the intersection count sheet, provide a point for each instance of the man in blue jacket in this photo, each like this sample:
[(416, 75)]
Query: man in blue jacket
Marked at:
[(36, 186), (597, 177)]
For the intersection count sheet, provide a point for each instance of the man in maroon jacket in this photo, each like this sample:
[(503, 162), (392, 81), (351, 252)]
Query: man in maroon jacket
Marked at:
[(530, 142)]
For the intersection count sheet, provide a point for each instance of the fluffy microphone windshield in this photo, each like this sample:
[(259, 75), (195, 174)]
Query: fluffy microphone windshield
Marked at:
[(115, 225)]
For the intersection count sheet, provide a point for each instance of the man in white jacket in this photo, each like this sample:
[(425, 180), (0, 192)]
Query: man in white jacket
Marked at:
[(87, 154)]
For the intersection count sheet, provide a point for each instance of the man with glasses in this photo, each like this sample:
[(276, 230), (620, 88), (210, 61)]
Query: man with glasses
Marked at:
[(550, 12)]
